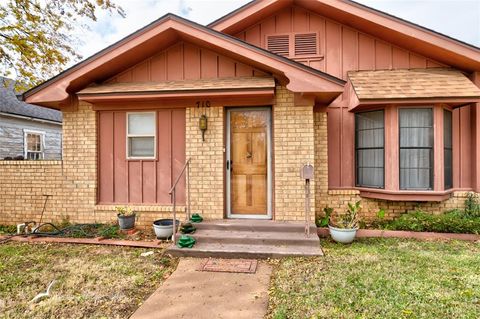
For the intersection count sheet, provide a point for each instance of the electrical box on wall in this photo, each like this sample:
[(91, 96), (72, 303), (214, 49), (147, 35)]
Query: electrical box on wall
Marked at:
[(306, 172)]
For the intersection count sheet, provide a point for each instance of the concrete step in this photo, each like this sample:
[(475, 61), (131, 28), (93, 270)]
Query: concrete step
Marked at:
[(255, 237), (219, 250), (255, 225)]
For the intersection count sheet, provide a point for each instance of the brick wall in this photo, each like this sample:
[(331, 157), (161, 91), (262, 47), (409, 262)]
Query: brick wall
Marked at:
[(293, 145), (206, 167)]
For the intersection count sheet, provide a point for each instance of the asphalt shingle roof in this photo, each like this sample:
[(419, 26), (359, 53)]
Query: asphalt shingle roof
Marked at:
[(10, 104), (413, 83)]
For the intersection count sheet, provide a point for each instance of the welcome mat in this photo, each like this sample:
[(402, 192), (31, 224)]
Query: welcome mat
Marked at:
[(248, 266)]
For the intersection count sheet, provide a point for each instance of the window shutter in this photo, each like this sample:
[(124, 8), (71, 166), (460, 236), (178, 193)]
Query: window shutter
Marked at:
[(306, 44), (278, 44)]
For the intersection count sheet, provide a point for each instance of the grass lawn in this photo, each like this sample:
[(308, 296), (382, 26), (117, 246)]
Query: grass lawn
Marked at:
[(91, 281), (380, 278)]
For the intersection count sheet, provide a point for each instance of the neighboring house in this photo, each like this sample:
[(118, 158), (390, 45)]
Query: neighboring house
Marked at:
[(27, 131), (385, 110)]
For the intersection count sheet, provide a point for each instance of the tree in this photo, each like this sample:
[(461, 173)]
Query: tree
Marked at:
[(36, 36)]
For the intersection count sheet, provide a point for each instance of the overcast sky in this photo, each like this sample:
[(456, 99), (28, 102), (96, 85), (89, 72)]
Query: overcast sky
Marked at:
[(457, 18)]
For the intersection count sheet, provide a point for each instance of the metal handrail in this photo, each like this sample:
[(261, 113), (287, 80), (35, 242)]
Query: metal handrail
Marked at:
[(186, 167)]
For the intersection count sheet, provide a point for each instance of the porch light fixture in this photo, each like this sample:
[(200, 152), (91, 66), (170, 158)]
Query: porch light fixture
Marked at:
[(202, 124)]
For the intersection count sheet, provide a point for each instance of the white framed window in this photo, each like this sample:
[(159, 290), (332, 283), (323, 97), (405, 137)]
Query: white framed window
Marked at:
[(34, 144), (141, 135)]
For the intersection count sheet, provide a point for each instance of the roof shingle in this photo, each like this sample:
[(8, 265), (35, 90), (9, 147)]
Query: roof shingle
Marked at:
[(412, 84), (234, 83)]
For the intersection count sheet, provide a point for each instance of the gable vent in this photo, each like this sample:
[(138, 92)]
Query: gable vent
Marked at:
[(278, 44), (306, 44)]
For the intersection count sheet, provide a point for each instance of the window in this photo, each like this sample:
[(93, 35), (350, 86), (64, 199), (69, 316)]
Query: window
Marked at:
[(34, 145), (141, 135), (447, 149), (294, 44), (369, 149), (416, 148)]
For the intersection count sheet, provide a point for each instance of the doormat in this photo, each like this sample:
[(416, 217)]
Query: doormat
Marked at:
[(248, 266)]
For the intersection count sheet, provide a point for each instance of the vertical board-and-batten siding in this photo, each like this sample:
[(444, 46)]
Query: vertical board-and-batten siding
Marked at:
[(140, 181), (185, 61), (346, 49), (12, 141)]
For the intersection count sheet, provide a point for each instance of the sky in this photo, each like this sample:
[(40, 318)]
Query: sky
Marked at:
[(459, 19)]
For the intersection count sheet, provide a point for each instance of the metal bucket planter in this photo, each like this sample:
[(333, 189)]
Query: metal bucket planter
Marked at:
[(342, 235), (126, 222), (164, 228)]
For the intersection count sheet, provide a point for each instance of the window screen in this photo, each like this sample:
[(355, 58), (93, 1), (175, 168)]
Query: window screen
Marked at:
[(141, 128), (369, 149), (447, 149), (416, 148)]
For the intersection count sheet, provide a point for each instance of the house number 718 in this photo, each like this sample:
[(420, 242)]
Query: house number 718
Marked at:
[(203, 103)]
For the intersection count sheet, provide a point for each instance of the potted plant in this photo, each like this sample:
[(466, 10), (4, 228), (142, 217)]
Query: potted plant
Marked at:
[(343, 227), (126, 217)]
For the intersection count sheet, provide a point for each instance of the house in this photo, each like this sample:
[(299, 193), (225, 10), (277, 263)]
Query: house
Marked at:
[(27, 131), (386, 111)]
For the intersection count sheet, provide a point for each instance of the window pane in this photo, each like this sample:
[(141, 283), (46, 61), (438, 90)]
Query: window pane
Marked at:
[(34, 142), (141, 147), (416, 148), (369, 148), (447, 152), (141, 124)]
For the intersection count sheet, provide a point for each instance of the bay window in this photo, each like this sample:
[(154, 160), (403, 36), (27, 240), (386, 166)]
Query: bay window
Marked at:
[(141, 135), (416, 148), (369, 149)]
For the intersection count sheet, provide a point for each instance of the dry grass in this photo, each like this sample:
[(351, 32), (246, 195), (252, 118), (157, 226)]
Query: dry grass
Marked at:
[(91, 281), (380, 278)]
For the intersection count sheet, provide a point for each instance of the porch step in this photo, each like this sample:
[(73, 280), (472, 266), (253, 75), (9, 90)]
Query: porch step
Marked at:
[(219, 250), (255, 225), (251, 239), (256, 237)]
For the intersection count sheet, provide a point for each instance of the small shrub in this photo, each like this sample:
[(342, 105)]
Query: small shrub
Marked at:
[(472, 205), (449, 222), (8, 229)]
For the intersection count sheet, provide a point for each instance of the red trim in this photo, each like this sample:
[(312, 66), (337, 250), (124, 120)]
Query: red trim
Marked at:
[(377, 233)]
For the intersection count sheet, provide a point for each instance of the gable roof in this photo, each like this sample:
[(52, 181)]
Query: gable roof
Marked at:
[(366, 19), (165, 31), (10, 104)]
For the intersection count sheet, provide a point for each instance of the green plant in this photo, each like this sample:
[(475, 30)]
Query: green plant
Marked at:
[(472, 205), (451, 222), (348, 220), (381, 214), (323, 221), (8, 229), (124, 211)]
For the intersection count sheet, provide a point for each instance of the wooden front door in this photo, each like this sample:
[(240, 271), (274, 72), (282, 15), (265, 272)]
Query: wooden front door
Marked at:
[(248, 163)]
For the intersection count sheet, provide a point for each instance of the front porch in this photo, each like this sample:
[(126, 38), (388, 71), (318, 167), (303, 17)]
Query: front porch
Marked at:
[(242, 238)]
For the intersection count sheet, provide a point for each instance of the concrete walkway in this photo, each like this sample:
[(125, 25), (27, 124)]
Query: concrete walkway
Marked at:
[(189, 293)]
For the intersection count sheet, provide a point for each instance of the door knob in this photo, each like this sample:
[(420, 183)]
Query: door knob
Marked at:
[(249, 155)]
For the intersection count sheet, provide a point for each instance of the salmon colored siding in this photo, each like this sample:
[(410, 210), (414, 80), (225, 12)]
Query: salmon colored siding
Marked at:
[(185, 61), (344, 48), (140, 181)]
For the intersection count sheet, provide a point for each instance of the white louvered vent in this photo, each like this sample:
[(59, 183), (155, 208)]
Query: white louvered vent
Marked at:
[(279, 44), (306, 44)]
